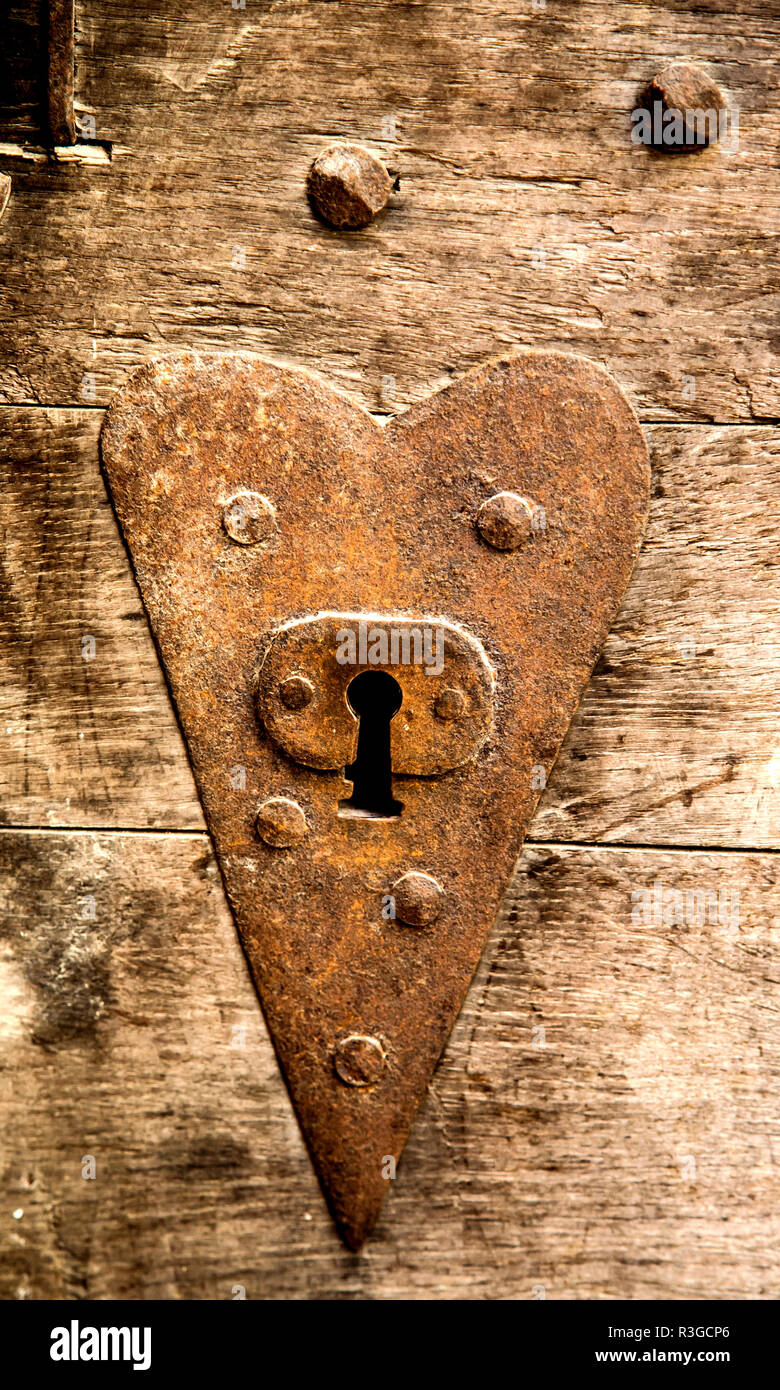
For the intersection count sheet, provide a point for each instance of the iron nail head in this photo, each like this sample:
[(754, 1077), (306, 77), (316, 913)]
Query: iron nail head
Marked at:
[(281, 823), (450, 703), (348, 186), (506, 520), (359, 1060), (296, 692), (248, 518), (418, 899)]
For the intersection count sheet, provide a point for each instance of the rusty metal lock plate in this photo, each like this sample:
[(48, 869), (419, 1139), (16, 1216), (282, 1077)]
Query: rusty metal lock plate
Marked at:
[(260, 508), (444, 676)]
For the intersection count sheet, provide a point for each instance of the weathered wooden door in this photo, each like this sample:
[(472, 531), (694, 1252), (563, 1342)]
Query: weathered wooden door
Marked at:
[(605, 1120)]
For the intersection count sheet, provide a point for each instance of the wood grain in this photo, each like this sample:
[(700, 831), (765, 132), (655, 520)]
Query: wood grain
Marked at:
[(628, 1150), (675, 740), (22, 70), (604, 1121), (525, 215), (87, 740)]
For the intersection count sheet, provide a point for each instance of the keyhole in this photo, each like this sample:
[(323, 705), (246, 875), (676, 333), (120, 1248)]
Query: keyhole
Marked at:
[(375, 697)]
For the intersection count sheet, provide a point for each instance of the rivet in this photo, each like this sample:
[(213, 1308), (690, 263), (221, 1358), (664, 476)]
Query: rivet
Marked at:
[(248, 518), (506, 520), (281, 823), (296, 692), (348, 186), (450, 703), (5, 192), (418, 899), (359, 1060), (682, 88)]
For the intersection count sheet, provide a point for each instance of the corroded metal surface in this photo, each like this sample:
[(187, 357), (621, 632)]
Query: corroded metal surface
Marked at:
[(61, 71), (359, 996), (347, 186), (689, 93), (323, 732)]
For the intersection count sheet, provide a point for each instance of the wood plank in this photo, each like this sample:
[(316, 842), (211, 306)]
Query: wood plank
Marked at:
[(604, 1121), (627, 1151), (88, 735), (675, 741), (511, 140), (22, 71)]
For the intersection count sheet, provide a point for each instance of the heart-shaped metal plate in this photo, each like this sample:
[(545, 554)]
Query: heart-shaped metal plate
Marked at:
[(507, 510)]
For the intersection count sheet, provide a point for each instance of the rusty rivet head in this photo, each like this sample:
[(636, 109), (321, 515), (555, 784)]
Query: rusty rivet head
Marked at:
[(506, 520), (248, 518), (5, 192), (418, 899), (359, 1060), (690, 94), (348, 186), (281, 823), (296, 692), (450, 703)]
